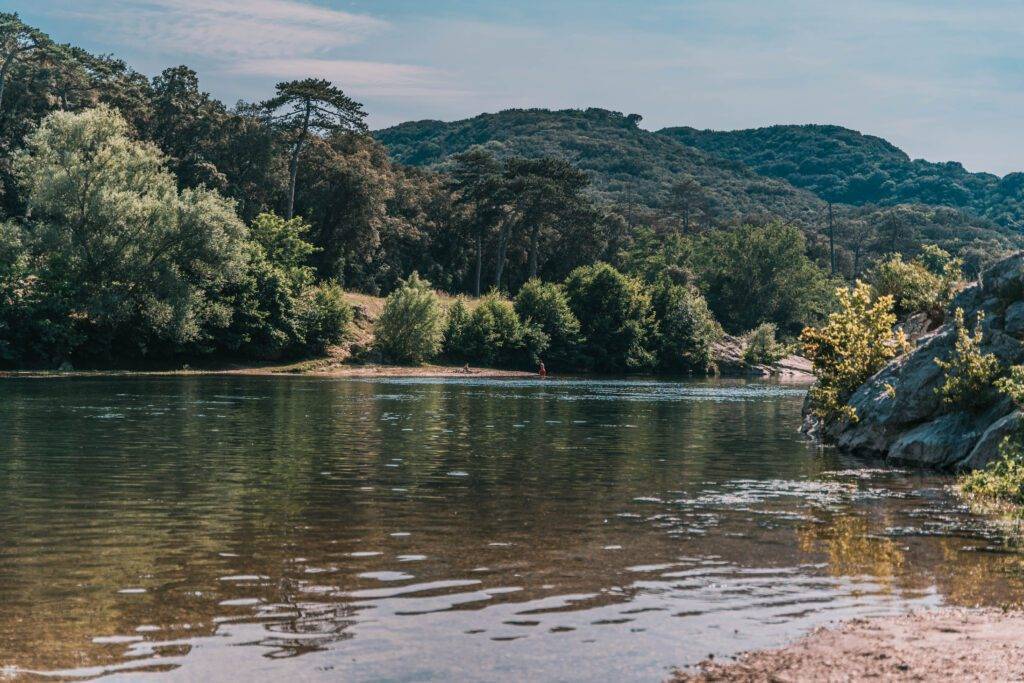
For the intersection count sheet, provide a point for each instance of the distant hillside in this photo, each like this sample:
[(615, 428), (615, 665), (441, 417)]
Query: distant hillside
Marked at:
[(626, 163), (843, 165), (633, 167)]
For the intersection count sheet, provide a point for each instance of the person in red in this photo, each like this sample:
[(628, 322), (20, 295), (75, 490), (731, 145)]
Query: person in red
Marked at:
[(542, 371)]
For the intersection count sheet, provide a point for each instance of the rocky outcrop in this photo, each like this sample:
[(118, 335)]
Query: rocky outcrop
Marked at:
[(727, 353), (901, 416)]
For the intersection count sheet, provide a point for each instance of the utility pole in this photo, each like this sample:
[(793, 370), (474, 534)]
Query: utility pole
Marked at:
[(629, 205), (831, 241)]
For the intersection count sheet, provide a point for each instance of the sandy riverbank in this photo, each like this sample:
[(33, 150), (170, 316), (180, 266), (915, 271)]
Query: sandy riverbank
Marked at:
[(951, 644), (308, 368)]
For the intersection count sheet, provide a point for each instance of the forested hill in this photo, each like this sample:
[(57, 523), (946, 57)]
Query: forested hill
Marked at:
[(627, 164), (842, 165)]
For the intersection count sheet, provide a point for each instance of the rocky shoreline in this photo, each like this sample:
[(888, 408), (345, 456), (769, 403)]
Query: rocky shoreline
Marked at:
[(900, 415), (728, 356)]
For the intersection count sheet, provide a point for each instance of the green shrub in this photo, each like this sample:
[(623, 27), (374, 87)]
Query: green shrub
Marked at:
[(615, 318), (856, 342), (455, 344), (1002, 481), (36, 326), (925, 285), (276, 309), (411, 326), (284, 244), (970, 374), (324, 317), (1012, 385), (754, 274), (913, 288), (686, 329), (263, 323), (762, 348), (546, 306), (495, 336)]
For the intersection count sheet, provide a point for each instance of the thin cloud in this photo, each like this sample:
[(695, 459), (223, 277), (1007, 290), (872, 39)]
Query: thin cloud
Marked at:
[(230, 29)]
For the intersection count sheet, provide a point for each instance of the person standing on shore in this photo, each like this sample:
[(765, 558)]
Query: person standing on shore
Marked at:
[(542, 371)]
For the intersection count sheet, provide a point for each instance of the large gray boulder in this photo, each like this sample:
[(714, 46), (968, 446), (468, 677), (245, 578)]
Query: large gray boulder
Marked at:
[(987, 447), (900, 414)]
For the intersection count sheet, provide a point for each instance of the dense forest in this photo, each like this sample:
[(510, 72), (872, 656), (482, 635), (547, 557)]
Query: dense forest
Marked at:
[(663, 179), (842, 165), (144, 219)]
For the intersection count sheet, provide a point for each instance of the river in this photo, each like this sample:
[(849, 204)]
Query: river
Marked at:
[(296, 528)]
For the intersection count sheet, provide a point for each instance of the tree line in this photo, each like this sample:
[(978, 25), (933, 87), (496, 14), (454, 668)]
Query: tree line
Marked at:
[(144, 219)]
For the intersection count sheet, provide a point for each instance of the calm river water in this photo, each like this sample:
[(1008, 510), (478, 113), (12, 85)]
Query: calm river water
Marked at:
[(289, 528)]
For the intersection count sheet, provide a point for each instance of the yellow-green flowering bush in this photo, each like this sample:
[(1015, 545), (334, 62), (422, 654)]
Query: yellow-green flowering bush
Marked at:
[(856, 342), (970, 374)]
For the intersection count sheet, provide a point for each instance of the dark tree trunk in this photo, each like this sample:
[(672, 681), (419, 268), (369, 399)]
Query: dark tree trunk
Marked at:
[(293, 165), (831, 241), (3, 77), (503, 238), (534, 240), (293, 172), (479, 263)]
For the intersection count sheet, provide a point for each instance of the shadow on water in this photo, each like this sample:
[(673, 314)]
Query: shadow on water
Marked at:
[(426, 529)]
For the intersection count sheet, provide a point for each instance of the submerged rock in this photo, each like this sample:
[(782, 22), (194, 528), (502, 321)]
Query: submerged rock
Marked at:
[(901, 416)]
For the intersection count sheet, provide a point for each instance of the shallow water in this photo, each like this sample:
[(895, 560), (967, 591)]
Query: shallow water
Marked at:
[(289, 528)]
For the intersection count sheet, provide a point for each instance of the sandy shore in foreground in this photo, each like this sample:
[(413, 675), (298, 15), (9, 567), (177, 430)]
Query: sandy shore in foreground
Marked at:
[(951, 644)]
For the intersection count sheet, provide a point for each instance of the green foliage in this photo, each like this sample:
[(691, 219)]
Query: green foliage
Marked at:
[(411, 326), (626, 164), (495, 336), (1002, 481), (762, 348), (970, 375), (545, 306), (1012, 385), (757, 274), (913, 288), (857, 341), (842, 165), (284, 244), (323, 317), (665, 179), (131, 238), (456, 345), (35, 323), (652, 257), (615, 317), (136, 264), (686, 329), (925, 285), (308, 107)]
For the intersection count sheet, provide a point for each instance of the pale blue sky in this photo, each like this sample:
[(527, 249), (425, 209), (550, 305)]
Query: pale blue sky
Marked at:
[(943, 80)]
